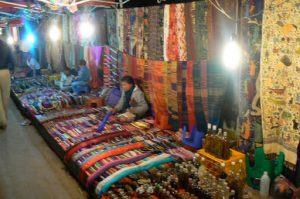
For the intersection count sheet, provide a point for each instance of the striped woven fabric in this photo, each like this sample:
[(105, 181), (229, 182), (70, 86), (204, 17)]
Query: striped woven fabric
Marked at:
[(111, 25), (172, 43), (120, 28), (203, 79), (128, 64), (190, 95), (181, 34), (126, 20), (201, 34), (182, 97), (216, 88), (155, 33), (190, 18), (157, 91), (139, 33), (200, 116), (172, 95)]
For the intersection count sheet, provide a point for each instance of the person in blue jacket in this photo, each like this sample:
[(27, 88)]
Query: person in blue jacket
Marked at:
[(84, 75)]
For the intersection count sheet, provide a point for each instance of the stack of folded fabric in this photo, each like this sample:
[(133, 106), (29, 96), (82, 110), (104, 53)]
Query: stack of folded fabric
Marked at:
[(49, 99), (25, 85)]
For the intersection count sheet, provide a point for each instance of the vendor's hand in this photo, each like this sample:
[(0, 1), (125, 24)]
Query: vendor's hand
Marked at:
[(130, 110), (112, 110)]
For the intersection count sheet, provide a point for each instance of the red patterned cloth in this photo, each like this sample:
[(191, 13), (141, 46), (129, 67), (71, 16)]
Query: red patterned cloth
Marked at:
[(190, 95)]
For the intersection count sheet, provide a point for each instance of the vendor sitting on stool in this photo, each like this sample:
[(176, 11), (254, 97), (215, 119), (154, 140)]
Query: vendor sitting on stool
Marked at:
[(84, 76), (66, 79), (132, 103), (34, 67)]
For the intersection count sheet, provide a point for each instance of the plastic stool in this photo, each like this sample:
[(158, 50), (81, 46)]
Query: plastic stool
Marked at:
[(273, 167), (95, 102), (195, 140), (81, 89)]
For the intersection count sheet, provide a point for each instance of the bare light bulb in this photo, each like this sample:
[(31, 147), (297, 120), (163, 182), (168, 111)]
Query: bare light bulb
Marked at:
[(232, 55), (54, 33), (10, 40), (86, 30)]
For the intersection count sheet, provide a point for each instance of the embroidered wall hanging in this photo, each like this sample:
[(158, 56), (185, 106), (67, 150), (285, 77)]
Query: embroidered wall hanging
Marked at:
[(280, 78)]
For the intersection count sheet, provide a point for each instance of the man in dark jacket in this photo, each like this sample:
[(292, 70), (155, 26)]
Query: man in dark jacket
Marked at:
[(6, 63)]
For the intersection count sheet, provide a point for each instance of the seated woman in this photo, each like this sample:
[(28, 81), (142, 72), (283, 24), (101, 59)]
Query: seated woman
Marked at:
[(132, 103), (84, 75), (66, 79)]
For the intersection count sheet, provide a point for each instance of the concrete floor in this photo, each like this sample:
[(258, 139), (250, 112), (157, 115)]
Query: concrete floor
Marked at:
[(29, 169)]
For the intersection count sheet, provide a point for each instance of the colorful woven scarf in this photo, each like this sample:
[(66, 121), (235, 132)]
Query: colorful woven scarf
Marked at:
[(200, 116), (190, 95), (280, 77), (190, 18), (111, 25), (216, 89), (155, 31), (172, 95), (181, 34), (172, 45)]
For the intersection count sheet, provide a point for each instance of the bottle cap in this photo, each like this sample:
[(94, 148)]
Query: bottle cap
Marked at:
[(240, 161), (209, 125), (214, 127), (265, 173), (233, 163), (222, 164)]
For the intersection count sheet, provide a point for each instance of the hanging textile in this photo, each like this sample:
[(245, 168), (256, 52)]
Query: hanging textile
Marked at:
[(199, 107), (172, 95), (204, 94), (128, 64), (110, 67), (280, 78), (166, 30), (120, 64), (181, 89), (155, 33), (139, 32), (132, 31), (65, 28), (126, 40), (56, 56), (216, 89), (94, 55), (158, 90), (190, 95), (201, 34), (103, 31), (120, 28), (190, 18), (67, 54), (172, 39), (146, 35), (111, 25), (181, 35), (249, 121)]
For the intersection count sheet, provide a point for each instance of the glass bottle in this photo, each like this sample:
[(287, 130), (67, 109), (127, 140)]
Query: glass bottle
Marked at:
[(225, 146), (213, 139), (207, 139)]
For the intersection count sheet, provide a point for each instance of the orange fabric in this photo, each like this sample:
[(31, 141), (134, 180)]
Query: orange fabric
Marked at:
[(190, 95), (101, 138), (113, 152)]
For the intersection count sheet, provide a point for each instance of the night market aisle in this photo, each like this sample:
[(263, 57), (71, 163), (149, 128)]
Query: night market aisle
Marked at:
[(29, 168)]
